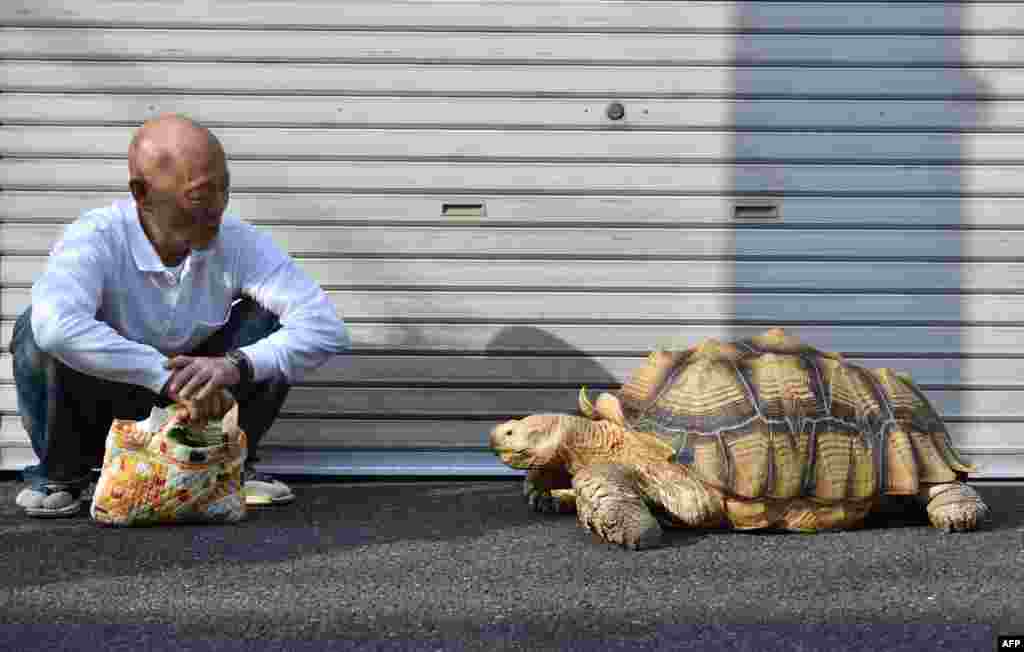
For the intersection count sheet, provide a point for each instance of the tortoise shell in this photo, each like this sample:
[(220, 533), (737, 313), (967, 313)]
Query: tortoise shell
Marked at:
[(771, 417)]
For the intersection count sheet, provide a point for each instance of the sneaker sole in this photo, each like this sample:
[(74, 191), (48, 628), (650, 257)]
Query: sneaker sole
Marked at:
[(261, 501), (70, 510)]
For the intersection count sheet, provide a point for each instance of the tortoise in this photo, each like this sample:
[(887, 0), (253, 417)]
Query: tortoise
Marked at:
[(763, 433)]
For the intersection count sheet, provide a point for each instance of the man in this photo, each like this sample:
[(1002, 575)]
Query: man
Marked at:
[(160, 299)]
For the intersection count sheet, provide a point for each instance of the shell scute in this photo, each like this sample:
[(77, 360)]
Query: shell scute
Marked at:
[(935, 457), (710, 460), (931, 466), (787, 463), (853, 397), (784, 387), (706, 397), (863, 477), (750, 456), (642, 387), (906, 407), (901, 467), (832, 464)]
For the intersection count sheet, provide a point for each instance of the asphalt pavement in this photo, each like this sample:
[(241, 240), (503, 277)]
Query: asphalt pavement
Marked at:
[(462, 564)]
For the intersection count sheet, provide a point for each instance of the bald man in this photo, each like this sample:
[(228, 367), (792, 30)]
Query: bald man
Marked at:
[(156, 299)]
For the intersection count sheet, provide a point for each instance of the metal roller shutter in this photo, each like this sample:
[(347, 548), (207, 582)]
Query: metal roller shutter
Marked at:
[(458, 178)]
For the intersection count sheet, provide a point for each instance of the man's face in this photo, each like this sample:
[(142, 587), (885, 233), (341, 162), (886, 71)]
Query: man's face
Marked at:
[(190, 201), (200, 201)]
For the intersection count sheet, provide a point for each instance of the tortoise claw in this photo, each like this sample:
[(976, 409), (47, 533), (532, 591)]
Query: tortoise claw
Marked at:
[(956, 507), (964, 517), (539, 501), (545, 502), (632, 533)]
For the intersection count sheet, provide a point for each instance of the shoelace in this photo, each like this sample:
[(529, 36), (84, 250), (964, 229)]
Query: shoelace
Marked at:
[(50, 490), (255, 476)]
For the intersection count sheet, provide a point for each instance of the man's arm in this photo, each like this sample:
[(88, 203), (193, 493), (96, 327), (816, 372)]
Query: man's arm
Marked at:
[(311, 330), (65, 301)]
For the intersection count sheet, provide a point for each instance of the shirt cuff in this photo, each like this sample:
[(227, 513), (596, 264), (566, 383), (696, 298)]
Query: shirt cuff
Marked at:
[(159, 380)]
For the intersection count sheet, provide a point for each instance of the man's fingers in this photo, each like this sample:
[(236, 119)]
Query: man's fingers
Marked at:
[(191, 410), (194, 383), (180, 377), (199, 383), (211, 402), (214, 378), (178, 361), (203, 392), (206, 390)]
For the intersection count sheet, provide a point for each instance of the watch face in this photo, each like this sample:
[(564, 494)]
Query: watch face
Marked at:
[(238, 359)]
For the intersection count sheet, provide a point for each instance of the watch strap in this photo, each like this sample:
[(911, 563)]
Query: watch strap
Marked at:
[(244, 365)]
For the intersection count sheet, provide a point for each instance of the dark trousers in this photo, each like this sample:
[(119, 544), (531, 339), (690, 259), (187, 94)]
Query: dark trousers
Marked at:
[(67, 413)]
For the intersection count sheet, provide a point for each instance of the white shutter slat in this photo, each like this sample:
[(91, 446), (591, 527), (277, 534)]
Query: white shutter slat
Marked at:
[(618, 178), (624, 243), (524, 80), (593, 209), (616, 274), (496, 47), (341, 110), (681, 307), (291, 143), (566, 15)]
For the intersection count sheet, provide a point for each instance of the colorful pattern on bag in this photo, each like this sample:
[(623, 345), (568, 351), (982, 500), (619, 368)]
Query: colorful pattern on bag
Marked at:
[(153, 477)]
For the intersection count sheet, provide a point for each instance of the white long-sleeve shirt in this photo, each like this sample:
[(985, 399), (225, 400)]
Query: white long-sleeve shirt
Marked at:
[(108, 307)]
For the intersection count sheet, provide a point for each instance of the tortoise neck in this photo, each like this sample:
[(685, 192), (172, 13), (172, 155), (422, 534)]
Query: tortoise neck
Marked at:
[(588, 442)]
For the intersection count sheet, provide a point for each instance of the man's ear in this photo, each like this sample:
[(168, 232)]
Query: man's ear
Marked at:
[(139, 189)]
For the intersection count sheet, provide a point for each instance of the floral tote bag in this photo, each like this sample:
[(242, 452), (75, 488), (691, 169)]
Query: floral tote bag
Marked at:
[(166, 470)]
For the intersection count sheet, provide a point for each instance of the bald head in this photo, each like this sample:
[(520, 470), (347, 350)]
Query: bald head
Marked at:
[(179, 179), (163, 146)]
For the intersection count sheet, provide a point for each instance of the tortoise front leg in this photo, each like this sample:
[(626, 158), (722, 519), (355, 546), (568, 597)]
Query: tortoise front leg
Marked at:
[(953, 506), (609, 504), (548, 491)]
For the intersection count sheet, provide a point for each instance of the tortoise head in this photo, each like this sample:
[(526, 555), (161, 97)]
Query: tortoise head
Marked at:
[(534, 441)]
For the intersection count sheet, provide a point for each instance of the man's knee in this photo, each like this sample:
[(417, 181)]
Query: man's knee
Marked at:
[(25, 352), (251, 310), (252, 322)]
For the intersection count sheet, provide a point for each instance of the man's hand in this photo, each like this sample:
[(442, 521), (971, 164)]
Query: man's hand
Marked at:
[(215, 406), (199, 382)]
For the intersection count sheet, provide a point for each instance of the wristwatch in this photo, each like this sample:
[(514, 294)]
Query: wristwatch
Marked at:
[(242, 363)]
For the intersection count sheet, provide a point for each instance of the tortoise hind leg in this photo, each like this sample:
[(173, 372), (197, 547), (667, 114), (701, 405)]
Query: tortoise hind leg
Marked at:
[(953, 506), (683, 497), (609, 504)]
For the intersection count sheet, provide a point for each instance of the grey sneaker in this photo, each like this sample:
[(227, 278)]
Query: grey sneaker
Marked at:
[(261, 489), (49, 502)]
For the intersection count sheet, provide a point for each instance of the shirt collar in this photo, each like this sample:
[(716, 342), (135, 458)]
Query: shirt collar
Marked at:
[(146, 258)]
